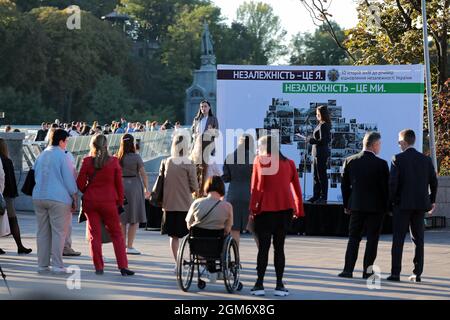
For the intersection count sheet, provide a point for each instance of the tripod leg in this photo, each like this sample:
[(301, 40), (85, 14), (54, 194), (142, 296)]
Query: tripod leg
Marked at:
[(4, 279)]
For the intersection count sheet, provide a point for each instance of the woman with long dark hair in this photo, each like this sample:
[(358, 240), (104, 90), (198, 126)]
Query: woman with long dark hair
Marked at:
[(9, 193), (135, 184), (276, 198), (100, 181), (204, 129), (320, 141), (237, 170)]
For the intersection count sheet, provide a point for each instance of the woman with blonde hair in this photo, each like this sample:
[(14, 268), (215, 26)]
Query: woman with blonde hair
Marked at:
[(135, 184), (180, 182), (100, 181)]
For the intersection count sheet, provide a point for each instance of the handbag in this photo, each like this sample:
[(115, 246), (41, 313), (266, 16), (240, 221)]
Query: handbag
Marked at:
[(81, 214), (157, 194), (4, 225), (29, 183)]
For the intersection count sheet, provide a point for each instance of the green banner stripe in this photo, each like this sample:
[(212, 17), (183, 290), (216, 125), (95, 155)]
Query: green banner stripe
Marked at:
[(349, 88)]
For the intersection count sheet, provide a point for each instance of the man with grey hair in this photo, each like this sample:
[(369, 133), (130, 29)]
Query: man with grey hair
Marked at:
[(412, 191), (365, 194)]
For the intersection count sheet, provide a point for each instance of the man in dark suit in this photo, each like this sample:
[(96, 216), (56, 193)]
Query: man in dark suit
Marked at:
[(42, 133), (365, 193), (412, 191)]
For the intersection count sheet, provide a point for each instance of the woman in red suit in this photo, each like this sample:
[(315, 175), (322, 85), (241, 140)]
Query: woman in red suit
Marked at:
[(100, 181), (276, 198)]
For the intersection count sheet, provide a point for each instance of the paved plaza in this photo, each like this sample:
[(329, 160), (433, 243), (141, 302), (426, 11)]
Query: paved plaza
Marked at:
[(312, 264)]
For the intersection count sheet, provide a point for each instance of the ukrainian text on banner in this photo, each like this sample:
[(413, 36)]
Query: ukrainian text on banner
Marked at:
[(386, 99)]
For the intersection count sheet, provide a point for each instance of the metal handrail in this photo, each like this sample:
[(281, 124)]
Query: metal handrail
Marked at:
[(152, 144)]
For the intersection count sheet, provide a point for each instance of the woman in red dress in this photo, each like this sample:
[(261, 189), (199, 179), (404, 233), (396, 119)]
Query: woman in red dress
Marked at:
[(100, 181)]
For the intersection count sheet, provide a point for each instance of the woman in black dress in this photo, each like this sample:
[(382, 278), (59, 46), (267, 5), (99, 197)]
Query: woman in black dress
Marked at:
[(9, 193), (320, 141)]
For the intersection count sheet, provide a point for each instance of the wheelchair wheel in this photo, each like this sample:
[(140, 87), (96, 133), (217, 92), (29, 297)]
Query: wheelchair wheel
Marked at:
[(201, 284), (185, 265), (231, 265)]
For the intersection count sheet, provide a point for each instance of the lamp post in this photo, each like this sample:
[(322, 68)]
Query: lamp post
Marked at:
[(426, 54)]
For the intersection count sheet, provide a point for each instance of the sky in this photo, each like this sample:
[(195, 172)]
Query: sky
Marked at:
[(294, 17)]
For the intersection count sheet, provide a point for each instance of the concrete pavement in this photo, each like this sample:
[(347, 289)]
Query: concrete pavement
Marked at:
[(312, 264)]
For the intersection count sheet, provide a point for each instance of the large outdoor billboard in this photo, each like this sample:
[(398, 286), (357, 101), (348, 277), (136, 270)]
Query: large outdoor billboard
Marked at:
[(386, 99)]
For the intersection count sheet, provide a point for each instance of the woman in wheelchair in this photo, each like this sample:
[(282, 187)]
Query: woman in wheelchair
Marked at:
[(211, 216)]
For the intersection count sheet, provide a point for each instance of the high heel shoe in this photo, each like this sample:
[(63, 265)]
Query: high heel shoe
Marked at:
[(24, 250), (126, 272)]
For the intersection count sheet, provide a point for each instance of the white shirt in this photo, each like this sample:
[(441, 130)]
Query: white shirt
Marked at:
[(203, 125)]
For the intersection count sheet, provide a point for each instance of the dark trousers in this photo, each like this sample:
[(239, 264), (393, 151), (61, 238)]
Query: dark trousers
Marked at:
[(401, 221), (372, 223), (268, 225), (320, 177)]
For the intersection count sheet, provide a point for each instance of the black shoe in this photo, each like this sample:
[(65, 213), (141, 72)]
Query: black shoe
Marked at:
[(281, 291), (24, 250), (367, 275), (393, 278), (99, 272), (71, 253), (312, 199), (2, 251), (345, 274), (126, 272), (321, 201), (258, 290), (415, 278)]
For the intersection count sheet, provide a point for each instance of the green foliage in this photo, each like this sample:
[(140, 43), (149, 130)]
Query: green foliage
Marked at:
[(318, 48), (261, 22), (77, 58), (98, 8), (399, 40), (22, 108), (93, 73), (110, 100)]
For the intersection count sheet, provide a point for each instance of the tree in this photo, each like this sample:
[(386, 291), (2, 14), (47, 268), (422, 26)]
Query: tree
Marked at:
[(78, 58), (24, 108), (98, 8), (390, 32), (265, 26), (181, 51), (153, 17), (318, 10), (318, 48), (110, 100), (21, 35)]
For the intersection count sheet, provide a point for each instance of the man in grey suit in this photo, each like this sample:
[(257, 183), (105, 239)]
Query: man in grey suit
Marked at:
[(412, 191)]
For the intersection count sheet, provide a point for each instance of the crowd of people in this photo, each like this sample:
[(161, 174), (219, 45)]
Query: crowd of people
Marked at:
[(194, 197), (79, 128)]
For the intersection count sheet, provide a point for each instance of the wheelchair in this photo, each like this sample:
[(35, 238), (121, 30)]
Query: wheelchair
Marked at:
[(212, 253)]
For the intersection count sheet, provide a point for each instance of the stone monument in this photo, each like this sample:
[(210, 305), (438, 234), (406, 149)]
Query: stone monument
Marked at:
[(205, 79)]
